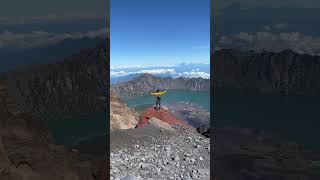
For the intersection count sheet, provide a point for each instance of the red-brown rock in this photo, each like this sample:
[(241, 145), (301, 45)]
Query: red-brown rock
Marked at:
[(163, 115)]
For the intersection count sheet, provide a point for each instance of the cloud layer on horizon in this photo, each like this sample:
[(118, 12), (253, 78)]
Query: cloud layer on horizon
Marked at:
[(172, 72), (33, 39), (149, 71), (195, 73), (271, 41)]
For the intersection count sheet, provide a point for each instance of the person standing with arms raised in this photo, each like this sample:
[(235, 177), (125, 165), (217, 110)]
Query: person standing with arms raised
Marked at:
[(158, 95)]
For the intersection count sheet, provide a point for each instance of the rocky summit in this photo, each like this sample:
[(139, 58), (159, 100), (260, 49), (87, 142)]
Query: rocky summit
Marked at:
[(147, 83), (285, 72), (160, 147)]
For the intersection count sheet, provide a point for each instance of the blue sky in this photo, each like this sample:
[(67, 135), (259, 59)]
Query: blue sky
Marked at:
[(149, 32)]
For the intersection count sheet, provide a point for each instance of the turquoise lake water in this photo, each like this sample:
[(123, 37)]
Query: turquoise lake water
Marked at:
[(201, 98), (72, 129), (296, 118)]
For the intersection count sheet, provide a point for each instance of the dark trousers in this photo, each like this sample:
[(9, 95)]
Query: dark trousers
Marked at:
[(157, 104)]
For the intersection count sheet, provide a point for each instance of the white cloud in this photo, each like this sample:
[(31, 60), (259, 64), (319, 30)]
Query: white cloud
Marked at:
[(40, 37), (195, 73), (150, 71), (158, 71), (271, 41), (118, 73)]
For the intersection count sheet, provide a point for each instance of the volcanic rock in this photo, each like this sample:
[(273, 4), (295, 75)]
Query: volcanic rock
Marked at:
[(78, 84), (162, 115), (146, 154), (121, 117), (285, 72), (161, 124)]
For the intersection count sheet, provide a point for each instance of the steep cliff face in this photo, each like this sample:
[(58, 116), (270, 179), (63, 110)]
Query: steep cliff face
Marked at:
[(78, 84), (146, 83), (121, 117), (285, 72)]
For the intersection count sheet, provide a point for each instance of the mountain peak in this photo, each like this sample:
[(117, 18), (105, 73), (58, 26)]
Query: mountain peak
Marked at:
[(144, 77)]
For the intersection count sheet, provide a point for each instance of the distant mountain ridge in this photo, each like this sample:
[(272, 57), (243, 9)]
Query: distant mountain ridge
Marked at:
[(189, 70), (285, 72), (146, 83)]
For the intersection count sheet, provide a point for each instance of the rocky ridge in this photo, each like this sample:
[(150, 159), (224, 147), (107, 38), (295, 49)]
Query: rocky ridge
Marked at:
[(77, 84), (146, 83), (121, 117), (286, 72)]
